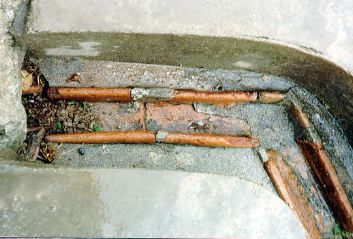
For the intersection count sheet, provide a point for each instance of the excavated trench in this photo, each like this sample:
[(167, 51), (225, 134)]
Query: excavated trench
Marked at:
[(274, 118), (180, 108)]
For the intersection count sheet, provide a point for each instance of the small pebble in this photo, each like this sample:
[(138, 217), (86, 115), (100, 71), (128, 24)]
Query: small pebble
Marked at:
[(81, 151)]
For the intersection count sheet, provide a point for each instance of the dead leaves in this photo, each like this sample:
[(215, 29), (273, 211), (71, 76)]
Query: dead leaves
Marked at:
[(74, 78), (27, 80), (47, 152)]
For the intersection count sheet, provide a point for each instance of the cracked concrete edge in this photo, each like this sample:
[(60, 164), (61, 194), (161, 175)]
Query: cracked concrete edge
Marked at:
[(13, 117), (112, 74), (332, 136)]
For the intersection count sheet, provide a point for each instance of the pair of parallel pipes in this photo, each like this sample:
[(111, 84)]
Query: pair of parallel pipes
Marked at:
[(281, 175), (145, 137)]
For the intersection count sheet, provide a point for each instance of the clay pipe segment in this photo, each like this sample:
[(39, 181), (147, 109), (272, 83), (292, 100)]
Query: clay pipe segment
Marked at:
[(289, 189), (207, 140), (143, 137), (89, 94), (130, 137), (188, 96), (326, 176), (33, 90), (301, 117), (271, 97)]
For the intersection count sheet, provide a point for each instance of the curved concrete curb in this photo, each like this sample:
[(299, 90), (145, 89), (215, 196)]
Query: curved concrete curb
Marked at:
[(138, 203)]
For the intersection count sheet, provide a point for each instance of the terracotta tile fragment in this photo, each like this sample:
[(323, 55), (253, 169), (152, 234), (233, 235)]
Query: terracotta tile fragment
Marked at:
[(183, 118), (291, 192), (327, 178)]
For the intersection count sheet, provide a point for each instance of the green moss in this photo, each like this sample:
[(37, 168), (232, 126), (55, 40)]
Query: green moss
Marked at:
[(96, 127), (59, 126), (338, 233)]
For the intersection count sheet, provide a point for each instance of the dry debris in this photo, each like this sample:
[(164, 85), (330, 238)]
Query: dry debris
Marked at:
[(74, 78), (53, 117), (27, 80), (31, 147)]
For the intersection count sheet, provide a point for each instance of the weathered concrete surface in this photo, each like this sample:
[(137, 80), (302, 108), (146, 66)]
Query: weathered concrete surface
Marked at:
[(12, 114), (138, 203), (119, 74), (271, 124), (322, 25), (243, 163)]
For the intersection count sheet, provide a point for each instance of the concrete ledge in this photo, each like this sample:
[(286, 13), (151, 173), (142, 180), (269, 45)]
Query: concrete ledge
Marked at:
[(138, 203)]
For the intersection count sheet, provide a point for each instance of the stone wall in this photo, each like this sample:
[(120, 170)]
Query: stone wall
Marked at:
[(12, 114)]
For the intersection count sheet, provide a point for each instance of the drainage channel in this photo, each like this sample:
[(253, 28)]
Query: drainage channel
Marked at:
[(259, 121)]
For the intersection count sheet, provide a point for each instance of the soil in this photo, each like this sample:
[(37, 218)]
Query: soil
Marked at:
[(55, 117), (58, 116)]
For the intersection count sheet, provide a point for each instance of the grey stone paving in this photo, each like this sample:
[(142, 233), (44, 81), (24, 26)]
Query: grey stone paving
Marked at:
[(243, 163), (113, 74), (138, 203)]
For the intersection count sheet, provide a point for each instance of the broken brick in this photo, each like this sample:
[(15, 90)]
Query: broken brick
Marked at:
[(119, 116), (183, 118), (289, 189), (327, 178)]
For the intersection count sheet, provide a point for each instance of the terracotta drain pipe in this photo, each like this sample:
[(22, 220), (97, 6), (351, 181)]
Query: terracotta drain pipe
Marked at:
[(89, 94), (124, 94), (289, 189), (130, 137), (188, 96), (326, 176), (301, 117), (143, 137), (207, 140), (325, 173)]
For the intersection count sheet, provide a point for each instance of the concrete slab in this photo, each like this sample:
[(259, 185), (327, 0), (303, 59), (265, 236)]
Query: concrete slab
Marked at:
[(242, 163), (227, 18), (119, 74), (138, 203)]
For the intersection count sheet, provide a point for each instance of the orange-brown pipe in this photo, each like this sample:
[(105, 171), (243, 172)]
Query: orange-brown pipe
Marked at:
[(188, 96), (207, 140), (291, 192), (130, 137), (301, 117), (329, 182), (89, 94), (35, 89), (271, 97)]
